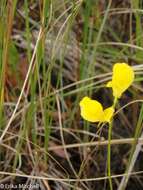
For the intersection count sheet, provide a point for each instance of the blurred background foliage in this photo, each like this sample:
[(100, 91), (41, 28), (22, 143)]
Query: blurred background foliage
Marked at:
[(52, 53)]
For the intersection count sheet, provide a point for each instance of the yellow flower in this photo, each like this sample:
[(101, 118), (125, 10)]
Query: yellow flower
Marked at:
[(92, 110), (122, 78), (108, 113)]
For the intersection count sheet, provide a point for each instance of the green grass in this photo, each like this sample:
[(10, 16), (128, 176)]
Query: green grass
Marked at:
[(69, 48)]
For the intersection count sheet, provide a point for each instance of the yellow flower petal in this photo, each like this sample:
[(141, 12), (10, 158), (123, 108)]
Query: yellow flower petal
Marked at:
[(91, 110), (109, 84), (108, 114), (122, 78)]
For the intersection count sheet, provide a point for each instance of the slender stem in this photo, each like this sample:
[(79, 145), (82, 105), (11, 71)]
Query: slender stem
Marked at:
[(109, 155), (109, 148)]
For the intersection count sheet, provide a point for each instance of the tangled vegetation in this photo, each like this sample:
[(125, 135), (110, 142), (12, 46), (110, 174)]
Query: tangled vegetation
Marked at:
[(71, 106)]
